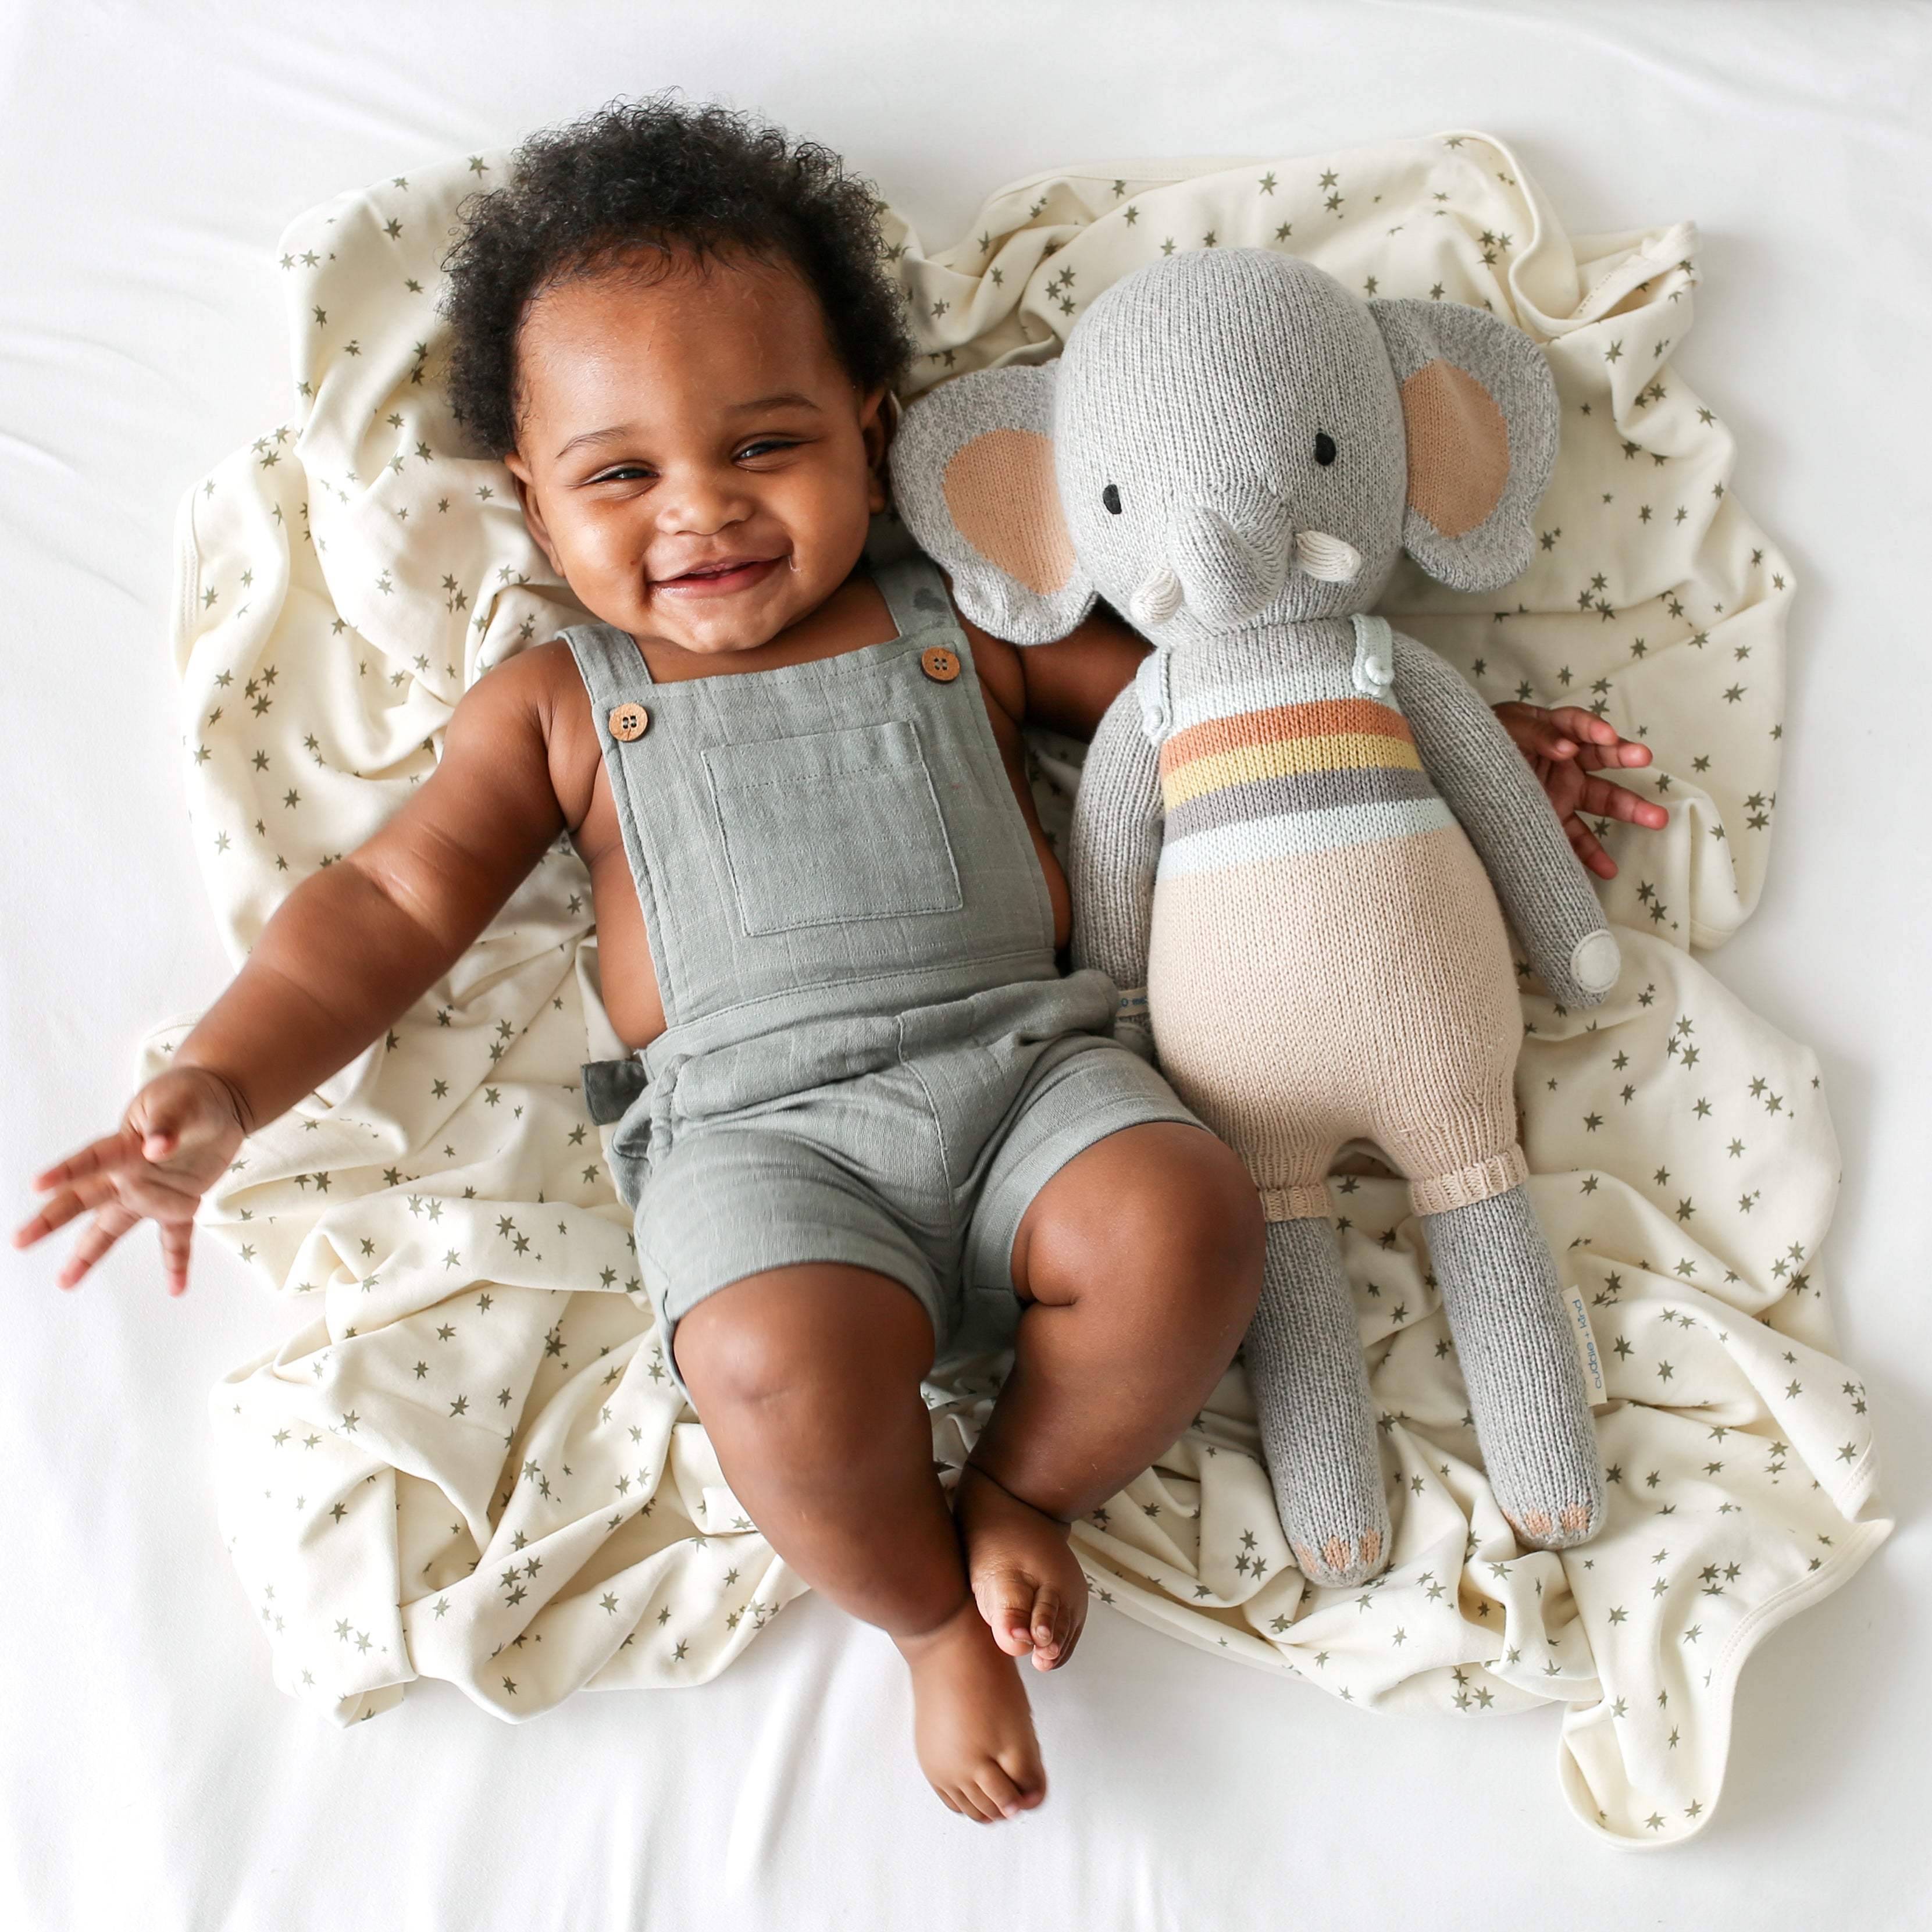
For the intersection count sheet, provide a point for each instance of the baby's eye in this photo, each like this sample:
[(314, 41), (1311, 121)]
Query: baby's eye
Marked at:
[(767, 446), (624, 473), (1111, 496), (1325, 448)]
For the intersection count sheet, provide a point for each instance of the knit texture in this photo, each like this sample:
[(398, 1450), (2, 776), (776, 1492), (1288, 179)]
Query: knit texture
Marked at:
[(1325, 958), (1311, 1385), (1300, 853), (1532, 1415), (1115, 847), (1496, 799)]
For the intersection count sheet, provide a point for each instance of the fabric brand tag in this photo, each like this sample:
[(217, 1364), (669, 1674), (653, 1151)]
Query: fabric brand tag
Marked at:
[(1588, 1360)]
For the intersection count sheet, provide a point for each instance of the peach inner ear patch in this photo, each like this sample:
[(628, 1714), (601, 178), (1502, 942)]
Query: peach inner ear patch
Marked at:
[(1459, 460), (1001, 490)]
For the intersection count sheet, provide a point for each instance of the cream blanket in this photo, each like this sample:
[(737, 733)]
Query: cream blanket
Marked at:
[(466, 1460)]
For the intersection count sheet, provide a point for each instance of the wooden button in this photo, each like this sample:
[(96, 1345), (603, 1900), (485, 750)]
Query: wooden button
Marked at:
[(939, 664), (629, 721)]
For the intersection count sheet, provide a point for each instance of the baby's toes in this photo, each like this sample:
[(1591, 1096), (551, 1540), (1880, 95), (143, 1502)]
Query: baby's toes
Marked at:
[(1057, 1623), (1048, 1628), (999, 1793), (1006, 1598)]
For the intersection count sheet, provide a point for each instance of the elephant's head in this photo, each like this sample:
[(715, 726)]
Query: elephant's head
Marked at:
[(1231, 439)]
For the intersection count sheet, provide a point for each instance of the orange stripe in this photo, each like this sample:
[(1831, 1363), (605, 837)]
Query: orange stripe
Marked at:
[(1322, 719)]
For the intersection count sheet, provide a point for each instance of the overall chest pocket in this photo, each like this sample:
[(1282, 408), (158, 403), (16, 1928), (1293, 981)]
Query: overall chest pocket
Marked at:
[(832, 827)]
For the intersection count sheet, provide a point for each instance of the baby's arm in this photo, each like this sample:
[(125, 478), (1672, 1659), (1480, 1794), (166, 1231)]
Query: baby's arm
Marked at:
[(1565, 748), (1117, 823), (349, 951), (1510, 822)]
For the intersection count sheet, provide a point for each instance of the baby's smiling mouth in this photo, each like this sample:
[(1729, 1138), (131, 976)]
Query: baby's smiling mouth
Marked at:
[(719, 577)]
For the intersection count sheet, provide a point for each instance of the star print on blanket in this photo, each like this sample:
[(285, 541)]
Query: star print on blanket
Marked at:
[(468, 1460)]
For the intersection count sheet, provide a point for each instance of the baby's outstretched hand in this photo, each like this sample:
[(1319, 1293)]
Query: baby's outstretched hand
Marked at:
[(1564, 747), (180, 1132)]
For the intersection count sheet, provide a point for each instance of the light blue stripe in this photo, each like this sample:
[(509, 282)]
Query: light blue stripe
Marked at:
[(1258, 839), (1294, 682)]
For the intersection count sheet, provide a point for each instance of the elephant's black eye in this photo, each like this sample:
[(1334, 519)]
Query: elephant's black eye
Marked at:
[(1325, 448), (1111, 496)]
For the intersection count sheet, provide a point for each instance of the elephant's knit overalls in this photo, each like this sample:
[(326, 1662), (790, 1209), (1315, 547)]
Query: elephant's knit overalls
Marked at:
[(869, 1057), (1297, 803)]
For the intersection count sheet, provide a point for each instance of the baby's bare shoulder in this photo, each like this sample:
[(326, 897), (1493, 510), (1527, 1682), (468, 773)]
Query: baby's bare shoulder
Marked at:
[(1066, 685)]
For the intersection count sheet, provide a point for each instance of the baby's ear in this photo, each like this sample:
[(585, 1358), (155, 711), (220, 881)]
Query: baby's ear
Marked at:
[(972, 474), (1480, 407)]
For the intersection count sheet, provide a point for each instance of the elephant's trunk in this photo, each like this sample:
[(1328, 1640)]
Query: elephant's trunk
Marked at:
[(1226, 575)]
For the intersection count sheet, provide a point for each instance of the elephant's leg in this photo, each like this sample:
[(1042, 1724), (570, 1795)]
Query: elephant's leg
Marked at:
[(1508, 1312), (1317, 1421)]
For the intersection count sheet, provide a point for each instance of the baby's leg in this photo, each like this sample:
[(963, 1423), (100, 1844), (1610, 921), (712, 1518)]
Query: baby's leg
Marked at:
[(807, 1380), (1140, 1261)]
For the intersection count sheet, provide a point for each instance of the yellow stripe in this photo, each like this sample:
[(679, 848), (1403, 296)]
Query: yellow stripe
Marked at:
[(1342, 751)]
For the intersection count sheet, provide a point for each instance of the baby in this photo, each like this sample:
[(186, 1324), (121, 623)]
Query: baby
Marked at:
[(868, 1122)]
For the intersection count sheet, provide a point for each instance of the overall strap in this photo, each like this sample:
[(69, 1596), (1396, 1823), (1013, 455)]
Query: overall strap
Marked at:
[(1375, 658), (615, 676), (915, 593), (610, 665), (1152, 683)]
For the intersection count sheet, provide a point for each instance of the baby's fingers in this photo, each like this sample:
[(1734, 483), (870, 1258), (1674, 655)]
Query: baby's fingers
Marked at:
[(109, 1154), (1590, 853), (107, 1227), (177, 1236), (62, 1209), (1602, 800), (1604, 747)]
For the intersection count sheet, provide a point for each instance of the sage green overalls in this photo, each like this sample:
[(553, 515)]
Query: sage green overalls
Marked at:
[(869, 1055)]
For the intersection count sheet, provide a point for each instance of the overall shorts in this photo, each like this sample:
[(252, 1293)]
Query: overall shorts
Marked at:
[(869, 1055)]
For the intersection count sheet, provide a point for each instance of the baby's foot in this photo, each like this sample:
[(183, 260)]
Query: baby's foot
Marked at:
[(1029, 1587), (971, 1725)]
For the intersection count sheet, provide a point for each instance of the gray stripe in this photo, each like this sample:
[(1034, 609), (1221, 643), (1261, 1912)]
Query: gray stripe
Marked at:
[(1297, 791)]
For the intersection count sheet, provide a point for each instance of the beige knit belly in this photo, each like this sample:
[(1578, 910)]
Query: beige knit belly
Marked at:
[(1364, 993)]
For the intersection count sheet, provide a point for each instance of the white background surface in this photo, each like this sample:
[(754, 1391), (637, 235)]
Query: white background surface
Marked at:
[(148, 158)]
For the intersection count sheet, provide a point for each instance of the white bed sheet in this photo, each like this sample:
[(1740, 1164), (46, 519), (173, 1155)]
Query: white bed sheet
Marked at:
[(148, 157)]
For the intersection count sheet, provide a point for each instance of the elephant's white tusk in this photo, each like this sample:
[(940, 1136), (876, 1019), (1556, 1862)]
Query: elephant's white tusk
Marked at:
[(1157, 599), (1326, 557)]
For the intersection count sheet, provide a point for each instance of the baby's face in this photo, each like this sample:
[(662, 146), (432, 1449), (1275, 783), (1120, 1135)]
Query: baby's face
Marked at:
[(692, 455)]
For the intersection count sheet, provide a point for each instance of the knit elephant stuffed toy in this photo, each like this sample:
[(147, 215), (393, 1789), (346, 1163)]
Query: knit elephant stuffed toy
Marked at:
[(1294, 829)]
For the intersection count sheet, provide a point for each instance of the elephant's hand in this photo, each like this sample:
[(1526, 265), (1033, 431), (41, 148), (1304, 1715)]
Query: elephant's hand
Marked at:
[(1585, 978), (1565, 748)]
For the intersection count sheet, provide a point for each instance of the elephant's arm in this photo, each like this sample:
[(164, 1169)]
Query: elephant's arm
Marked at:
[(1118, 823), (1485, 782)]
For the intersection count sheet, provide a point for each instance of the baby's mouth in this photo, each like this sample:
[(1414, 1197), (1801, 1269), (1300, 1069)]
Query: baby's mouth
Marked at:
[(719, 577)]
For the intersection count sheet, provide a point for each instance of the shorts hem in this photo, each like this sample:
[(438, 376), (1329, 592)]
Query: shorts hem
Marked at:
[(996, 1225), (841, 1247)]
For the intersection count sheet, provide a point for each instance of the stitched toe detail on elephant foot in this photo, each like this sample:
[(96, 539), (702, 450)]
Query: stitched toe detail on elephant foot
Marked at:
[(1342, 1560), (1562, 1528)]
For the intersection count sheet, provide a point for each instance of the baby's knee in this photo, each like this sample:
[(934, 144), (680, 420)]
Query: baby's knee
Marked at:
[(1198, 1199), (817, 1339), (1163, 1206)]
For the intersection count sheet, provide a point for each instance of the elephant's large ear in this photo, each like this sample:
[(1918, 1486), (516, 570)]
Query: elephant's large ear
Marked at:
[(1480, 406), (973, 476)]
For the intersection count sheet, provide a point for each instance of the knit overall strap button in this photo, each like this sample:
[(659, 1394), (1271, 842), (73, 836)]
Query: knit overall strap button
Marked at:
[(629, 722), (939, 664)]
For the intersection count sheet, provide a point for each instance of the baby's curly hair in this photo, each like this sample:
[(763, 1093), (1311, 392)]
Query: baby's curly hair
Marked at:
[(657, 176)]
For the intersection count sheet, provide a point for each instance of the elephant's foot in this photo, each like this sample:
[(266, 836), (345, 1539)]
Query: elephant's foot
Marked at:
[(1304, 1356), (1511, 1322)]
